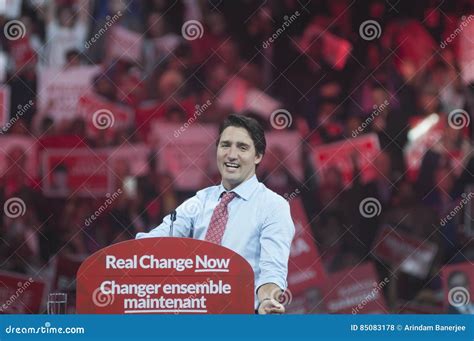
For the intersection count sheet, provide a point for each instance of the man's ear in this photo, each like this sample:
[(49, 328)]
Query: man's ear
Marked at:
[(258, 158)]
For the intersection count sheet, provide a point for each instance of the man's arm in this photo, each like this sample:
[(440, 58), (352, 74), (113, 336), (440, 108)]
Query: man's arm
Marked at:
[(185, 217), (275, 242)]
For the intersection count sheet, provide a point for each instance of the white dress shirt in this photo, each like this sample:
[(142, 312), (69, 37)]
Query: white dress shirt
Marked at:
[(259, 228)]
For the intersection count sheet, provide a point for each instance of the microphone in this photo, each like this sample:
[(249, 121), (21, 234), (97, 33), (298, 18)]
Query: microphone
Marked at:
[(173, 218)]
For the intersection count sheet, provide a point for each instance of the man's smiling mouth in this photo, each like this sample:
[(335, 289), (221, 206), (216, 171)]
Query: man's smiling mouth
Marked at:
[(231, 165)]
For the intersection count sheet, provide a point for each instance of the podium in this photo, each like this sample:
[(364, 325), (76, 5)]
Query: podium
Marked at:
[(165, 276)]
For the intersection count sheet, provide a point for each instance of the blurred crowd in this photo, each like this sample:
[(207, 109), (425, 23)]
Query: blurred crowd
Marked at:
[(404, 67)]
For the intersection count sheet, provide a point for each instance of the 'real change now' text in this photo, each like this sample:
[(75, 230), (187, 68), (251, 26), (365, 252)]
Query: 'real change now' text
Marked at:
[(199, 264)]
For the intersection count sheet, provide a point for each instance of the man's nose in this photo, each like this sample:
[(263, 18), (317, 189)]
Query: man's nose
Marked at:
[(232, 155)]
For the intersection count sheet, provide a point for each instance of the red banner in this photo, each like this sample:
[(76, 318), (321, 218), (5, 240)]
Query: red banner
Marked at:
[(305, 269), (79, 171), (339, 155), (407, 253), (306, 273), (20, 294), (356, 291), (60, 90), (165, 275), (101, 114)]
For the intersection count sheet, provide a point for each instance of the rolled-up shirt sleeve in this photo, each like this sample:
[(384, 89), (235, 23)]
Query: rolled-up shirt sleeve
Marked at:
[(182, 226), (276, 236)]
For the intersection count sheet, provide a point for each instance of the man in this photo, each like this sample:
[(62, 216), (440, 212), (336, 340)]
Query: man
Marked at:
[(241, 213)]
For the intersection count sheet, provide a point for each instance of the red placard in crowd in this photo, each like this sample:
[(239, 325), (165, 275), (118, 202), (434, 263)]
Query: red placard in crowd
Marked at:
[(335, 50), (356, 291), (101, 114), (306, 273), (167, 276), (4, 106), (20, 294), (458, 282), (405, 252), (82, 171), (339, 155), (187, 152), (305, 269), (61, 89)]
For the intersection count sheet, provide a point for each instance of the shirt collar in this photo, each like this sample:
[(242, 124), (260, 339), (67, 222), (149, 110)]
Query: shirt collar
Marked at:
[(244, 190)]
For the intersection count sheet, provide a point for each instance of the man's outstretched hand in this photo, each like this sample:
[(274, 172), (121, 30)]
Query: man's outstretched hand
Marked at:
[(268, 295), (270, 306)]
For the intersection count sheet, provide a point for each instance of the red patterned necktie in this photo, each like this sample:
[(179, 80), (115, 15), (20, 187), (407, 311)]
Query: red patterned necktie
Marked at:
[(219, 219)]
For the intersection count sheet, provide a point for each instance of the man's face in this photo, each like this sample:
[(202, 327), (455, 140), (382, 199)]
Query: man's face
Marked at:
[(236, 156)]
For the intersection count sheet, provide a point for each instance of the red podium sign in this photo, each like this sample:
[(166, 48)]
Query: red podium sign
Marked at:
[(165, 275)]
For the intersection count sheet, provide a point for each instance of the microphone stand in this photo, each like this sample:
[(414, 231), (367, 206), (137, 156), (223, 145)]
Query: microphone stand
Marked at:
[(173, 218)]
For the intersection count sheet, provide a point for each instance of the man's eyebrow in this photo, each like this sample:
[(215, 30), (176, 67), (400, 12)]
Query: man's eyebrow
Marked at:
[(242, 144)]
